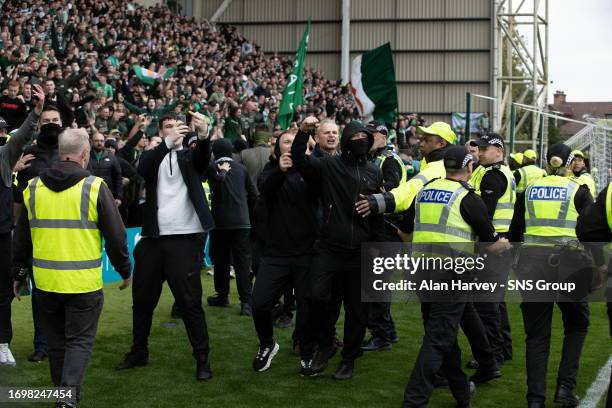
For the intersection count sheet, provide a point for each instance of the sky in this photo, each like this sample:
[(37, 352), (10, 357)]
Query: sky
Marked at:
[(580, 49)]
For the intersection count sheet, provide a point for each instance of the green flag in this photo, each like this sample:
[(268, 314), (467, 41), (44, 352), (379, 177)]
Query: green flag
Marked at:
[(374, 86), (292, 95)]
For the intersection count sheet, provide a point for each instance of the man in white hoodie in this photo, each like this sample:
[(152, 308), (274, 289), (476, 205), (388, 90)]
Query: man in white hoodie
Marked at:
[(175, 220)]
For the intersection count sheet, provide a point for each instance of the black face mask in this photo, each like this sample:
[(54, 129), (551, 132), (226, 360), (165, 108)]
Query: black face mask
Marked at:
[(48, 135), (358, 147)]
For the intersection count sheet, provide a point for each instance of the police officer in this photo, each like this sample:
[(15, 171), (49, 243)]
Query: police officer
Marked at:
[(435, 139), (459, 216), (581, 173), (515, 161), (380, 322), (494, 182), (595, 226), (546, 219), (528, 172), (68, 214)]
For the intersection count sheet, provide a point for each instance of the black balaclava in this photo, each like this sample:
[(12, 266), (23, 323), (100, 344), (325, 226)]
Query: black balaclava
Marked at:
[(222, 149), (48, 135), (357, 149)]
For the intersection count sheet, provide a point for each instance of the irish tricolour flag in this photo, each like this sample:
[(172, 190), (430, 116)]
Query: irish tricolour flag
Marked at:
[(373, 84), (148, 76)]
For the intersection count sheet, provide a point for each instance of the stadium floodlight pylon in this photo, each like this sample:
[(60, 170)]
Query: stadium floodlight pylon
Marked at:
[(507, 41)]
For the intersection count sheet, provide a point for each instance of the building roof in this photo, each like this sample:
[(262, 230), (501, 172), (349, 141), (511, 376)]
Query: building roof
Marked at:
[(580, 111)]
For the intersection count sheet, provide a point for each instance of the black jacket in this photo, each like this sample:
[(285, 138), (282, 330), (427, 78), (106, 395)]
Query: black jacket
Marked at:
[(192, 164), (108, 168), (61, 176), (233, 194), (44, 159), (342, 179), (291, 223)]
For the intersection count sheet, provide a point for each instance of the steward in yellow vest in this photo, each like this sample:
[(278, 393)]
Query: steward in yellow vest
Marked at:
[(68, 213), (528, 172), (581, 173), (494, 182), (546, 219), (435, 139), (446, 211)]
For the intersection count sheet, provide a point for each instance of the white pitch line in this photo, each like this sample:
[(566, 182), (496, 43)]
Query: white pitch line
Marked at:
[(598, 388)]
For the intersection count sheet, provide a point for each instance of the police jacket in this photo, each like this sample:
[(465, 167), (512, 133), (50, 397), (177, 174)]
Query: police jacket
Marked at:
[(342, 178)]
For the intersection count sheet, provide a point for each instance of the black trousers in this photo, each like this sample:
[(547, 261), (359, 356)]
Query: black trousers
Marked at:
[(537, 320), (178, 260), (477, 337), (439, 351), (6, 288), (490, 317), (227, 247), (71, 322), (506, 332), (40, 334), (273, 277), (380, 321), (336, 278), (492, 313)]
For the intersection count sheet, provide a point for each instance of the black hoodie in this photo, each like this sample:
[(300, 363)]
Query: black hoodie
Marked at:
[(342, 179), (291, 223), (61, 176), (233, 193)]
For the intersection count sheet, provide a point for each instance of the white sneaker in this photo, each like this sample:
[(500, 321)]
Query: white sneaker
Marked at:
[(211, 272), (6, 357), (232, 273)]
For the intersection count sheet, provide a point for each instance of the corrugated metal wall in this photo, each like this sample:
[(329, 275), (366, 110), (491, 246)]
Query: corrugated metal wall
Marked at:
[(441, 47)]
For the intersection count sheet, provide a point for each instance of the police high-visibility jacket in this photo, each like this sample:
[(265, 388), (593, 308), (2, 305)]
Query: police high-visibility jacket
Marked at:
[(66, 241), (529, 174), (405, 193), (609, 205), (438, 215), (587, 180), (505, 205), (387, 154), (207, 192), (550, 213)]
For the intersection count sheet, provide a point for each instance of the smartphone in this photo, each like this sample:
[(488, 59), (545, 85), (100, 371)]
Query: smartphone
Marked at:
[(34, 80)]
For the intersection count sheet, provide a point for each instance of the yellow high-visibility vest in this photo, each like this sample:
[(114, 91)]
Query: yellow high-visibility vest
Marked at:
[(438, 216), (207, 192), (404, 194), (529, 174), (505, 205), (587, 180), (550, 214), (609, 205), (380, 160), (66, 241)]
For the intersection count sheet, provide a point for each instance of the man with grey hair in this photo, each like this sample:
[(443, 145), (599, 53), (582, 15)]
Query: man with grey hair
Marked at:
[(327, 139), (68, 213)]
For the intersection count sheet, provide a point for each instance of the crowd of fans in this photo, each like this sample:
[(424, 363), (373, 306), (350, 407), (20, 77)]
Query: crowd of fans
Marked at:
[(83, 54)]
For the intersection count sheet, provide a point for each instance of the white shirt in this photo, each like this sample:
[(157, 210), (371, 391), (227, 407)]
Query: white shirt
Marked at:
[(175, 212)]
